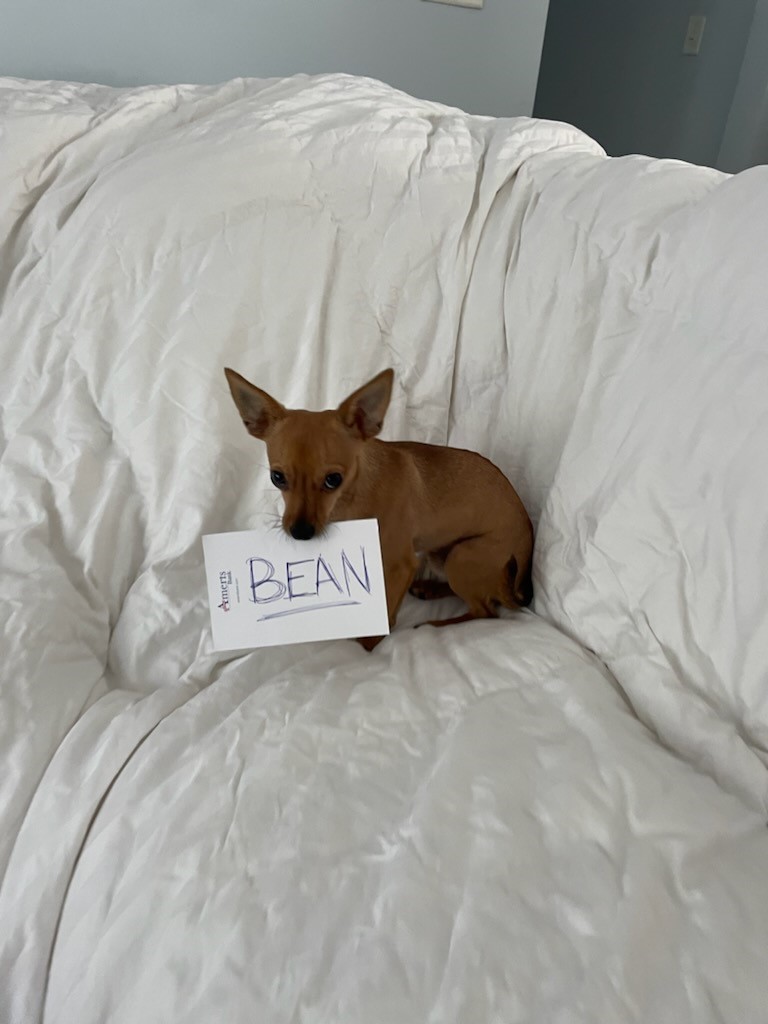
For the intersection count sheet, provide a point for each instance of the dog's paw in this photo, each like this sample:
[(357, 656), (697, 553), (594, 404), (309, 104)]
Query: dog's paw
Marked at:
[(419, 588), (429, 590), (369, 642)]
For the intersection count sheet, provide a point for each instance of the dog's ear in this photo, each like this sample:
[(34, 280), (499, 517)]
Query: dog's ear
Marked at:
[(258, 410), (363, 412)]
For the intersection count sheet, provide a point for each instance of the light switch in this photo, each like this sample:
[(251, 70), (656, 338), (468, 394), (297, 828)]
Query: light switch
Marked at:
[(459, 3), (692, 43)]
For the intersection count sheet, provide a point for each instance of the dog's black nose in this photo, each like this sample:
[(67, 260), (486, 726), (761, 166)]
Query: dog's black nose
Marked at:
[(302, 530)]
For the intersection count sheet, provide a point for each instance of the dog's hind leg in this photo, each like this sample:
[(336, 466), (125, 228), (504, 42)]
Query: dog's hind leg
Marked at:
[(473, 571)]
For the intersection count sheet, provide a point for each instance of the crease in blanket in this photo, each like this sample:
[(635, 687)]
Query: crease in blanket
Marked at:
[(102, 742)]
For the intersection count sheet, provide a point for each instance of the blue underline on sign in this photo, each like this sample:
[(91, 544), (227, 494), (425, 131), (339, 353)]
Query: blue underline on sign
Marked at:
[(309, 608)]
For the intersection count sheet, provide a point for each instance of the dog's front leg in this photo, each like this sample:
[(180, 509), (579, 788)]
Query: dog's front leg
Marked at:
[(369, 642)]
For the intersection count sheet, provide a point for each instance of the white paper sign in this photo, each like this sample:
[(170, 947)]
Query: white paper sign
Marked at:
[(265, 588)]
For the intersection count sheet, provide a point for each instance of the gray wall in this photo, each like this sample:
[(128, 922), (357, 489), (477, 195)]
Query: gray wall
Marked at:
[(616, 69), (745, 141), (483, 60)]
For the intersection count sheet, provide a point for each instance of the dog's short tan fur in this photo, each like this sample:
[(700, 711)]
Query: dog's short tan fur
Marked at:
[(453, 506)]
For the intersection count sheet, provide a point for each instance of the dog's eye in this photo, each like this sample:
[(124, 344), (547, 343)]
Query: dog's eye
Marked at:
[(278, 479), (332, 481)]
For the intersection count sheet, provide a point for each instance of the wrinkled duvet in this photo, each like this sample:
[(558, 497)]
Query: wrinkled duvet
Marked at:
[(555, 817)]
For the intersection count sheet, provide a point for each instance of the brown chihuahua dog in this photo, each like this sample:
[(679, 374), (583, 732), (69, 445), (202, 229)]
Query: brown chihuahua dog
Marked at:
[(452, 506)]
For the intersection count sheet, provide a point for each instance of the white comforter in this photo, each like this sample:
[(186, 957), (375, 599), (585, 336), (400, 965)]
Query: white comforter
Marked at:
[(481, 824)]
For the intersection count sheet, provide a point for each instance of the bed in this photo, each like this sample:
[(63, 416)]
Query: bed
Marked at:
[(558, 816)]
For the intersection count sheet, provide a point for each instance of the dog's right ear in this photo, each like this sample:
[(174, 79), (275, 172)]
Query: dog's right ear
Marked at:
[(258, 410)]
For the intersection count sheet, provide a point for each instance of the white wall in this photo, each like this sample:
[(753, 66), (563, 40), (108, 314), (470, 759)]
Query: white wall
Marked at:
[(745, 141), (616, 69), (483, 60)]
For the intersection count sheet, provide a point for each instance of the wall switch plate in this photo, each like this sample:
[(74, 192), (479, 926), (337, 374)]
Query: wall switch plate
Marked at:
[(459, 3), (692, 43)]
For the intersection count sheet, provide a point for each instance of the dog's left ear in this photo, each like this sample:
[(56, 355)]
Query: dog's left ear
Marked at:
[(363, 412)]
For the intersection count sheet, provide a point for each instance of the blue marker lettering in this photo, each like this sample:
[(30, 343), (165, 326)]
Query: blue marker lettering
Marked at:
[(347, 565), (290, 577), (265, 580), (329, 577)]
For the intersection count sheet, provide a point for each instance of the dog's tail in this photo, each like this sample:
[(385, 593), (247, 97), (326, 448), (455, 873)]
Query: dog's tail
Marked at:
[(521, 594)]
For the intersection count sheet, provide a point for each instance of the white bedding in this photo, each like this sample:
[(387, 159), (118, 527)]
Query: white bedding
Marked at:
[(475, 824)]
